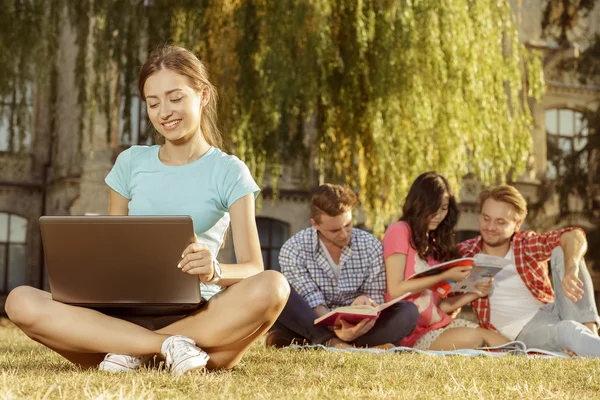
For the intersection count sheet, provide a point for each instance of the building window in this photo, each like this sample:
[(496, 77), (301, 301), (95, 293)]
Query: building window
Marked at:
[(16, 113), (272, 234), (13, 251), (567, 137), (139, 131)]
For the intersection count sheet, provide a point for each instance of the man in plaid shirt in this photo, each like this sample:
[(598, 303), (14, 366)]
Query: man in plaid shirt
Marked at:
[(522, 304), (331, 265)]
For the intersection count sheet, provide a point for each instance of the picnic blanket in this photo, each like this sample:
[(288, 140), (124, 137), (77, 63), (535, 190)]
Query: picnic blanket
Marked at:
[(461, 352)]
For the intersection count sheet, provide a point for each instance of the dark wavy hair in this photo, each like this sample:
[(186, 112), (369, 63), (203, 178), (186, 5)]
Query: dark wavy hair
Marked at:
[(423, 201)]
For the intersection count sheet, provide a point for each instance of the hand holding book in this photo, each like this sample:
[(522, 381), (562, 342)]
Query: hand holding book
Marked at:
[(484, 288), (356, 313), (480, 270), (457, 274), (349, 332), (364, 300)]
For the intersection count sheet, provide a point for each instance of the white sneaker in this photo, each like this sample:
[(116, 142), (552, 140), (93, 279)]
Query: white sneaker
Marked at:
[(122, 363), (182, 354)]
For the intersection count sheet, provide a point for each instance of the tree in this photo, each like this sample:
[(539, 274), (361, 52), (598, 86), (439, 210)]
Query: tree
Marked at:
[(578, 171), (561, 18), (376, 91), (28, 32)]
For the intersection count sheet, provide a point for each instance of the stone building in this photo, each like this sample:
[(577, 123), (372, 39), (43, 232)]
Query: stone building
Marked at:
[(44, 181)]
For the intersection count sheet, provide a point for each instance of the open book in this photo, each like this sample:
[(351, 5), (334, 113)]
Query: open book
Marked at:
[(484, 267), (519, 347), (355, 314)]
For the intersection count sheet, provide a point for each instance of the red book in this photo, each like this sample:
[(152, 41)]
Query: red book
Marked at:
[(355, 314), (444, 287), (439, 268)]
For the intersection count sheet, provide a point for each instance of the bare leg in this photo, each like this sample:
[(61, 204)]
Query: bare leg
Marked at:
[(467, 338), (79, 334), (235, 318), (82, 360), (225, 328)]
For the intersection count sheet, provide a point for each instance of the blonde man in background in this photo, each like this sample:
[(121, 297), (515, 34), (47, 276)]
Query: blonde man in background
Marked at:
[(522, 304)]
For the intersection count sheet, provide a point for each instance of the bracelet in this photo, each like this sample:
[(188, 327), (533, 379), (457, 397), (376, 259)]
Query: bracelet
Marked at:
[(217, 273)]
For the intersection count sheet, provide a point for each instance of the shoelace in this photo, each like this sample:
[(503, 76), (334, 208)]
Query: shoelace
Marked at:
[(181, 347), (133, 360), (129, 361), (125, 356)]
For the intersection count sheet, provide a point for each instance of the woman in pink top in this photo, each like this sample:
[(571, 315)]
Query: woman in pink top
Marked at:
[(421, 238)]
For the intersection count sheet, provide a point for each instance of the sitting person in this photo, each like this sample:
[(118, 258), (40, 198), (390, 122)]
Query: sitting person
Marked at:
[(331, 265), (187, 174), (522, 304), (423, 237)]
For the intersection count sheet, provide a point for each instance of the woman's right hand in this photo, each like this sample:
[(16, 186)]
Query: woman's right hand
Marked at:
[(197, 259), (456, 274)]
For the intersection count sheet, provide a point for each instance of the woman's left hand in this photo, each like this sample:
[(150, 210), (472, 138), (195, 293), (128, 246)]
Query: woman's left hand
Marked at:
[(198, 260)]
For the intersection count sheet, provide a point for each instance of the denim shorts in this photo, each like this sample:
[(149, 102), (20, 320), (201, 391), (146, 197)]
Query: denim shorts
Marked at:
[(154, 323)]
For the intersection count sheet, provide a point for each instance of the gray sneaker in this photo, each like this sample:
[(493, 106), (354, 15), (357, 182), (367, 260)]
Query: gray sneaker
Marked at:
[(122, 363), (182, 355)]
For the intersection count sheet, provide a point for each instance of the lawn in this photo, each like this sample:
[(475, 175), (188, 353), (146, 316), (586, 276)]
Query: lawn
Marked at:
[(28, 370)]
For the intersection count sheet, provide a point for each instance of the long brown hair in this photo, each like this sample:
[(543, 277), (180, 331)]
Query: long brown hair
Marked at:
[(423, 201), (184, 62)]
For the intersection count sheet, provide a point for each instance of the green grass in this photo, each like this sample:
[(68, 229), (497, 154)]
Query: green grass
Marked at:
[(28, 370)]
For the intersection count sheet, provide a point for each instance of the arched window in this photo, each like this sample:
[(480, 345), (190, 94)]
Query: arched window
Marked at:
[(272, 234), (13, 251), (567, 136)]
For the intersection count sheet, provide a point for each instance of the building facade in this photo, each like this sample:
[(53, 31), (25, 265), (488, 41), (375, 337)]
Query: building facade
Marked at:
[(44, 181)]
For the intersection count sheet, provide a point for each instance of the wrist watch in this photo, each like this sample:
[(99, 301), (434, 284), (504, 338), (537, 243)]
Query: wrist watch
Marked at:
[(217, 273)]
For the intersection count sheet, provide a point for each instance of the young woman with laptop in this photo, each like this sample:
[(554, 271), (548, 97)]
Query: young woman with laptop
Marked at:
[(187, 174)]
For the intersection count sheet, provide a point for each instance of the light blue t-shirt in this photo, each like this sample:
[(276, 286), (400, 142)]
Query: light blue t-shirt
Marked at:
[(203, 189)]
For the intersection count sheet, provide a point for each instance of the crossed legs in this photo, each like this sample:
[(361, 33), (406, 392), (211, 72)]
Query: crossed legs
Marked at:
[(225, 328), (297, 321)]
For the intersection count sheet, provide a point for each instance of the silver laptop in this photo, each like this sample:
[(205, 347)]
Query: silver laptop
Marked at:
[(120, 265)]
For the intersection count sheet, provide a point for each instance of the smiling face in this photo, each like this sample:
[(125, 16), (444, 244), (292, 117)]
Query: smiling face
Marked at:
[(174, 107), (437, 218), (498, 221)]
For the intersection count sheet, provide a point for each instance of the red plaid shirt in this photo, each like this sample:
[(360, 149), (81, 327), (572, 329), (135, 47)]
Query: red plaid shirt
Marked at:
[(532, 252)]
